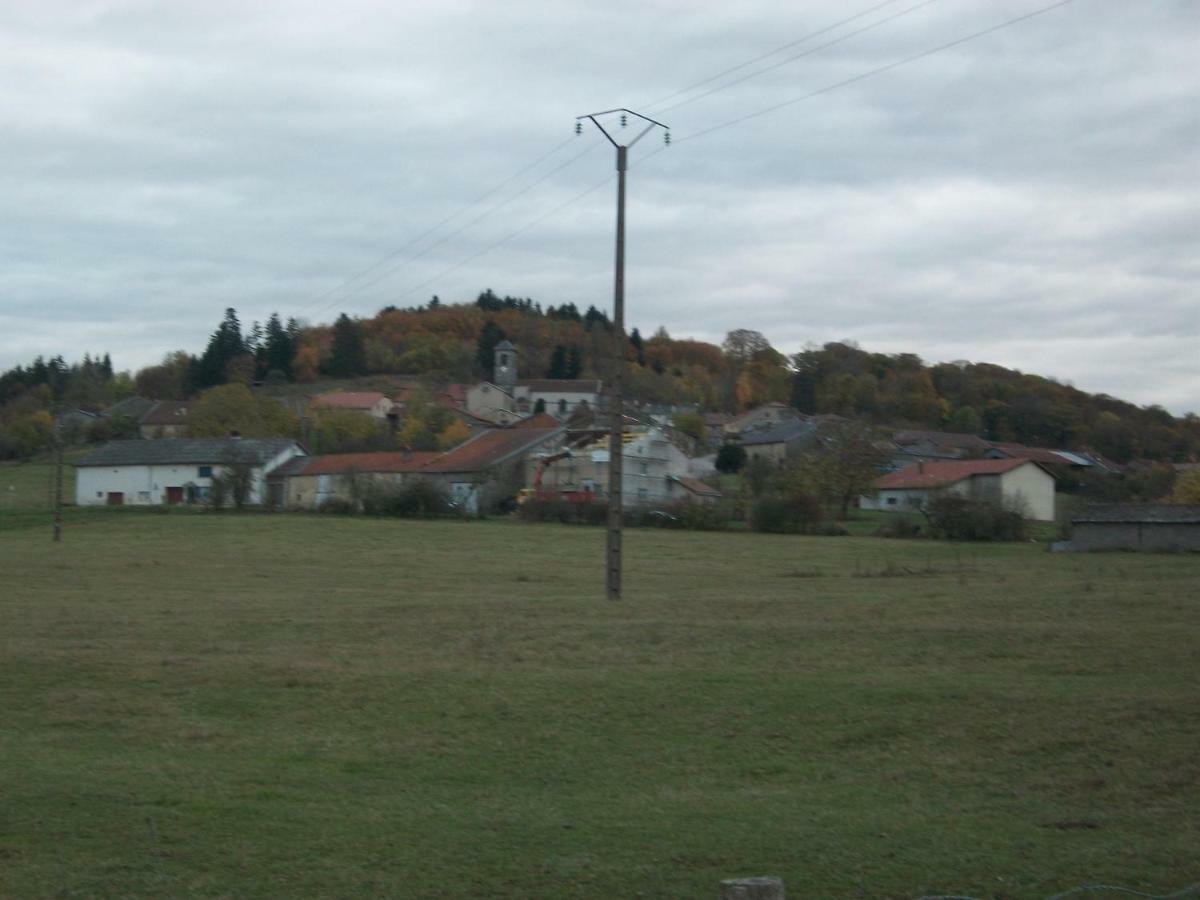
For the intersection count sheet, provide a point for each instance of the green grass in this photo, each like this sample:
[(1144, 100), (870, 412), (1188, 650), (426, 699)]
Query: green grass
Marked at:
[(300, 706)]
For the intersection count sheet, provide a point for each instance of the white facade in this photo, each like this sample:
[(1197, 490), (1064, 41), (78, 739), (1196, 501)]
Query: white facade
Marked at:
[(649, 460), (163, 483)]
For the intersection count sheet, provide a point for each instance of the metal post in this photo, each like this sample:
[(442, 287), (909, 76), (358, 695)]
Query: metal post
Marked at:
[(616, 442)]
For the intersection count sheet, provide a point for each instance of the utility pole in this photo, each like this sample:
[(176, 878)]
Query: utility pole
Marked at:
[(58, 485), (616, 407)]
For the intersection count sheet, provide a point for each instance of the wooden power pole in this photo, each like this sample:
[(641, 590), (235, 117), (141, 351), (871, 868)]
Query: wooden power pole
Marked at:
[(616, 411)]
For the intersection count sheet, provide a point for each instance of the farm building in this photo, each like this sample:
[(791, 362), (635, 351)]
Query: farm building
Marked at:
[(1127, 526), (1018, 483), (488, 467), (173, 470), (308, 482)]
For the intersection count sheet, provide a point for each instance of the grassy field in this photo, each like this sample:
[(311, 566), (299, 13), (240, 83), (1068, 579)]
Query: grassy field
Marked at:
[(296, 706)]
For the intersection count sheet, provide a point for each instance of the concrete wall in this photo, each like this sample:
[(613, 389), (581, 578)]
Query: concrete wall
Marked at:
[(1135, 536)]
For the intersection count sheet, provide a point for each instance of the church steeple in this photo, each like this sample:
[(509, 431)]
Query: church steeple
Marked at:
[(504, 366)]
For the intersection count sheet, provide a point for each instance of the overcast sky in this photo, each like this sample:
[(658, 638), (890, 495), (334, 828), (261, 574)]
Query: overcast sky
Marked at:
[(1030, 197)]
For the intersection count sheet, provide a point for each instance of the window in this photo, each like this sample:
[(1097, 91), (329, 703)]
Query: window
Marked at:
[(503, 360), (891, 501), (562, 406), (204, 472), (143, 496)]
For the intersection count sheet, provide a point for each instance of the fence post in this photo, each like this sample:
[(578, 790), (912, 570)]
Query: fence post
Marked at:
[(759, 888)]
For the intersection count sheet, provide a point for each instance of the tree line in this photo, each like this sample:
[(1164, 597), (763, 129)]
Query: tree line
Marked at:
[(454, 342)]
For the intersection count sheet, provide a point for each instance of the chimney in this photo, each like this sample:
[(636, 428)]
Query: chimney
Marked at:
[(921, 467)]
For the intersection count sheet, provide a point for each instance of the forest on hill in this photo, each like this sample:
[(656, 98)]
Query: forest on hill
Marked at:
[(446, 343)]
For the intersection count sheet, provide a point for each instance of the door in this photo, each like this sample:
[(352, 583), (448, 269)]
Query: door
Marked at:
[(174, 495), (115, 498)]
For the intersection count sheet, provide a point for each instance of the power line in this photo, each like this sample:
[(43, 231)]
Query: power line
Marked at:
[(453, 234), (355, 284), (504, 240), (768, 55), (791, 59), (424, 234), (823, 90), (873, 72), (702, 133)]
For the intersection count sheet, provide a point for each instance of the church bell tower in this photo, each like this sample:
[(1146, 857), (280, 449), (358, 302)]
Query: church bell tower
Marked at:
[(504, 366)]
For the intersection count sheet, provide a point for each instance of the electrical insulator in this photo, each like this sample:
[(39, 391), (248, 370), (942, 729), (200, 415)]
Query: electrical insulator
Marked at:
[(667, 138), (579, 128), (624, 120)]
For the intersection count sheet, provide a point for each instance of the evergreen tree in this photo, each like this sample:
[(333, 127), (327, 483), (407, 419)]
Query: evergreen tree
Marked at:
[(485, 348), (558, 362), (225, 344), (347, 356), (635, 339), (278, 347), (574, 367)]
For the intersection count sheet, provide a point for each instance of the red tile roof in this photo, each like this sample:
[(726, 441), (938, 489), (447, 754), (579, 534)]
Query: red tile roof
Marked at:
[(389, 461), (541, 420), (696, 486), (939, 474), (349, 400), (488, 448)]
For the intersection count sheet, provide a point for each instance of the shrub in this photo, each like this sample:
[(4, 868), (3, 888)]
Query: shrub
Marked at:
[(899, 525), (563, 511), (960, 519), (780, 514), (416, 499), (336, 506)]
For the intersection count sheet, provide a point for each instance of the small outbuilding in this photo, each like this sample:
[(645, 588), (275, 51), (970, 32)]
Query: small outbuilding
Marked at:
[(1142, 526)]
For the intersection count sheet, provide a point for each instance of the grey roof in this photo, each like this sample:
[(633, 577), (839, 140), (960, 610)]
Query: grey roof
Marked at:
[(1138, 512), (783, 433), (184, 451), (504, 345), (133, 407)]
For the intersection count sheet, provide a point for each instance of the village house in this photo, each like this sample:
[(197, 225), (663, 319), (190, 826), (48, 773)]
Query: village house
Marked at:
[(174, 470), (369, 403), (309, 482), (507, 398), (649, 463), (766, 416), (779, 443), (165, 419), (1019, 484), (487, 469)]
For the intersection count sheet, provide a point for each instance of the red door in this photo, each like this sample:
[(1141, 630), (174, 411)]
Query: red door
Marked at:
[(174, 495), (116, 498)]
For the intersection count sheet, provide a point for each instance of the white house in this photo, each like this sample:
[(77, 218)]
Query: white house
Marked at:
[(651, 469), (1016, 483), (173, 470)]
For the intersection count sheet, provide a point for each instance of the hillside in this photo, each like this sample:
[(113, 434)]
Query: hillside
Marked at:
[(438, 344)]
